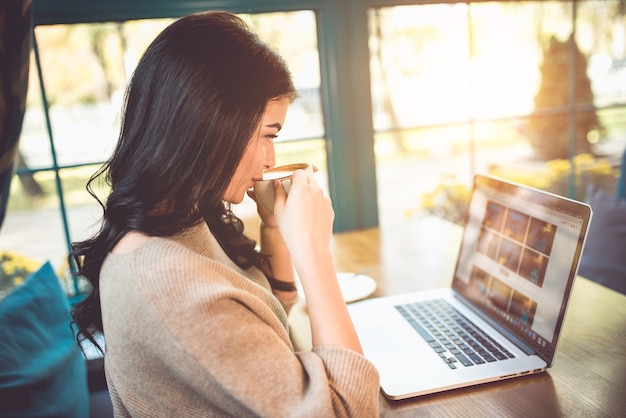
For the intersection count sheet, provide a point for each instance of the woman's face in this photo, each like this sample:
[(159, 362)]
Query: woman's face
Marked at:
[(259, 155)]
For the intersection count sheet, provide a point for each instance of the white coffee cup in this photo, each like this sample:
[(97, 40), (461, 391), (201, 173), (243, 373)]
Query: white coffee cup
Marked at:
[(264, 189)]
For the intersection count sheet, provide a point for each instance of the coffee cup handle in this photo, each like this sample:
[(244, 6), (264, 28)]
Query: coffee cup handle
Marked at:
[(286, 185)]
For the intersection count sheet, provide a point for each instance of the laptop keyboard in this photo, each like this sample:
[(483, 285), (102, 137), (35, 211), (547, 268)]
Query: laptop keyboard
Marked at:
[(451, 335)]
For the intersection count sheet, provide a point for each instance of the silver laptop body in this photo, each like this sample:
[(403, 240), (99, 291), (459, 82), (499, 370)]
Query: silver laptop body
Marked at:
[(518, 259)]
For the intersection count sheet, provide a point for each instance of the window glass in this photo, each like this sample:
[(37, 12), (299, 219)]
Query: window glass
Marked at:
[(459, 89), (601, 37), (294, 36)]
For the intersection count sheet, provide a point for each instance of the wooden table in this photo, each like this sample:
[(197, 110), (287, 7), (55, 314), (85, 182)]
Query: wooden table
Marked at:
[(588, 377)]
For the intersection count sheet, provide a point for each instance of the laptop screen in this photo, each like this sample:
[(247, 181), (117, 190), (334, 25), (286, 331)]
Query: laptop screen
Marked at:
[(519, 256)]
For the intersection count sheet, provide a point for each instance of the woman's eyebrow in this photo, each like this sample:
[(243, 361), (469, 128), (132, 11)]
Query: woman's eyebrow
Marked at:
[(276, 125)]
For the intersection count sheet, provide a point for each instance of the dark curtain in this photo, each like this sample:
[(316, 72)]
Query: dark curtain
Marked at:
[(15, 45)]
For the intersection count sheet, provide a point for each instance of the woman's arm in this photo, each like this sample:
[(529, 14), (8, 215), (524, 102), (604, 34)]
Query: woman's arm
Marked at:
[(273, 245), (305, 220), (280, 264)]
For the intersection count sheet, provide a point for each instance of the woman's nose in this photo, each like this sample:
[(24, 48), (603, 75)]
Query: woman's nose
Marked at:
[(270, 157)]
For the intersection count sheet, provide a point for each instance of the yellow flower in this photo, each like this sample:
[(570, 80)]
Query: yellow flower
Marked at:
[(9, 268)]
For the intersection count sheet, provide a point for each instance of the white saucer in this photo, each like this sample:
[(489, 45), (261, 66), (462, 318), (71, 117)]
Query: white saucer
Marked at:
[(353, 286)]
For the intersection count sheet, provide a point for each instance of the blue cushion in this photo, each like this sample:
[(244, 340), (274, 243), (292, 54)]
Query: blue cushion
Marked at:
[(603, 259), (42, 370)]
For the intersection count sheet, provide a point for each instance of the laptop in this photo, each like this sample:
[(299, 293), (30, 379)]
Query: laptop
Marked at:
[(503, 314)]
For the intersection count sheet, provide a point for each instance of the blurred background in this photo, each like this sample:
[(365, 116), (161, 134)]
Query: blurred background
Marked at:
[(400, 104)]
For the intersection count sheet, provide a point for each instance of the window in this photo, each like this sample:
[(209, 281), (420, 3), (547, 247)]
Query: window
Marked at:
[(85, 69), (485, 87), (400, 104)]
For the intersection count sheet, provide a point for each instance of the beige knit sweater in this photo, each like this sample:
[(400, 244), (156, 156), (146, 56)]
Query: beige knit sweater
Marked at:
[(190, 334)]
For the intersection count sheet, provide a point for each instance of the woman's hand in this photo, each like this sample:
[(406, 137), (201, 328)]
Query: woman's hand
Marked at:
[(267, 218), (304, 217)]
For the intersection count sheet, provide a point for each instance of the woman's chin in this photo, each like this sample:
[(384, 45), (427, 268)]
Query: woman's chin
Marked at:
[(234, 200)]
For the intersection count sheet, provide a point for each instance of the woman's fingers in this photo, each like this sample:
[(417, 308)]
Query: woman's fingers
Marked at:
[(280, 197)]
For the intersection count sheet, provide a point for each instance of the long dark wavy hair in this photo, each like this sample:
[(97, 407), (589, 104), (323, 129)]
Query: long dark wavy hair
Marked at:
[(192, 105)]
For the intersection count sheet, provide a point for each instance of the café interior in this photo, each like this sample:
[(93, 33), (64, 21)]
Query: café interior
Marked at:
[(400, 104)]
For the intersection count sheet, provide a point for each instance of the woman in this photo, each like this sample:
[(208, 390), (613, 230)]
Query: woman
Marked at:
[(195, 319)]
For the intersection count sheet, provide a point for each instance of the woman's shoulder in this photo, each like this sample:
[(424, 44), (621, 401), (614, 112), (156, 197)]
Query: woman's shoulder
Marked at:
[(139, 245), (162, 270), (130, 242), (153, 254), (194, 255), (189, 262), (148, 251)]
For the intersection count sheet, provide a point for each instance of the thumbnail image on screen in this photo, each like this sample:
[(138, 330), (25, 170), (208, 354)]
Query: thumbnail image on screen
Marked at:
[(518, 242), (513, 306)]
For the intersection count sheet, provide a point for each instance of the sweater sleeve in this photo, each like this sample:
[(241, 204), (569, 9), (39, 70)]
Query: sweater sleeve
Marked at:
[(252, 363), (222, 349)]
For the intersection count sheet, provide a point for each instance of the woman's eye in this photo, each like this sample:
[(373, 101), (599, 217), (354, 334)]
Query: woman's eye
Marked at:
[(271, 137)]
